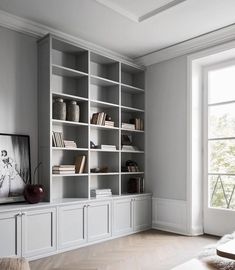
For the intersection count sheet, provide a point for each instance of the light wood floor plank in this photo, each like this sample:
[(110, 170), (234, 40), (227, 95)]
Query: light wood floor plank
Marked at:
[(151, 250)]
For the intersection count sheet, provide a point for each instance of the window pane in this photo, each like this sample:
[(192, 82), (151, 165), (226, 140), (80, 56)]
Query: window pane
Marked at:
[(221, 156), (221, 121), (221, 190), (221, 85)]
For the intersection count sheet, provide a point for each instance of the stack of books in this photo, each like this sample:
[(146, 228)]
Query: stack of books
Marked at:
[(63, 169), (70, 144), (100, 193), (129, 148), (57, 139), (136, 185), (139, 123), (107, 147), (98, 118), (128, 126), (109, 123), (80, 164)]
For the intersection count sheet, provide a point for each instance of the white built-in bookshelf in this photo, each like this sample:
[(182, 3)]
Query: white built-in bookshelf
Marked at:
[(98, 84)]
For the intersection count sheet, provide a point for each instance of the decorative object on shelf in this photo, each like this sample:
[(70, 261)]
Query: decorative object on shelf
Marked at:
[(34, 193), (131, 166), (92, 145), (15, 169), (108, 118), (126, 139), (135, 185), (104, 169), (80, 164), (73, 111), (59, 109)]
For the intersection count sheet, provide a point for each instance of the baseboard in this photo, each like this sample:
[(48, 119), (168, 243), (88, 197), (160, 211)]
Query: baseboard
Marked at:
[(170, 215)]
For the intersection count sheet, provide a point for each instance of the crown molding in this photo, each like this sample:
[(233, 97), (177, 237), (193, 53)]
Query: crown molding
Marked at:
[(38, 30), (138, 19), (199, 43)]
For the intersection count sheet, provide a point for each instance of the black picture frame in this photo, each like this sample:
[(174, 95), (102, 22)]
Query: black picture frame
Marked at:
[(15, 167)]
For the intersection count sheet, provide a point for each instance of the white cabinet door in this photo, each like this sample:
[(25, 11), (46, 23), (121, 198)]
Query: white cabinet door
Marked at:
[(10, 234), (122, 216), (72, 226), (99, 219), (38, 232), (142, 213)]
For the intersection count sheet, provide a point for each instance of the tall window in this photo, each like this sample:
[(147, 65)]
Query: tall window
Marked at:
[(220, 104)]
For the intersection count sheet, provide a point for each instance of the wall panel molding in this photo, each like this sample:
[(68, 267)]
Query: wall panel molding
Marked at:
[(170, 215)]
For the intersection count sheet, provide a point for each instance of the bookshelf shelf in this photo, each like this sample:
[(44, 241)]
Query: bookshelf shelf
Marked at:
[(103, 127), (69, 97), (69, 123), (128, 109), (105, 88), (101, 104), (131, 89), (102, 81), (69, 149), (67, 72), (70, 175), (132, 130)]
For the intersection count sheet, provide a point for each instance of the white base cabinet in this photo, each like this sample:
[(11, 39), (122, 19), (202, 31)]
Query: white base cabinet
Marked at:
[(82, 223), (131, 215), (10, 234), (39, 231)]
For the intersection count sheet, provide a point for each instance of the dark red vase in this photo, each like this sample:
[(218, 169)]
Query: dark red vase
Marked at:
[(34, 193)]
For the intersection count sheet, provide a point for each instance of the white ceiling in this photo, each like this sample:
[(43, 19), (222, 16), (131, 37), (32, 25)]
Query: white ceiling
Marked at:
[(109, 27)]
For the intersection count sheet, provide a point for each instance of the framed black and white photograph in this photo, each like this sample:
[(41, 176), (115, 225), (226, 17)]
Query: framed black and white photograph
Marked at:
[(15, 169)]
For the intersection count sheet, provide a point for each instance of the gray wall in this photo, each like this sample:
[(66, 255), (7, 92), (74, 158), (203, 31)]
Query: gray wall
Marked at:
[(166, 128), (18, 87)]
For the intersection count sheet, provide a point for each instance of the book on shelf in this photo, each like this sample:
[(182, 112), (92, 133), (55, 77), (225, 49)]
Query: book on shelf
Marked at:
[(107, 147), (70, 144), (128, 126), (99, 193), (63, 169), (80, 164), (57, 139), (109, 123), (98, 118), (135, 185), (138, 122), (129, 148)]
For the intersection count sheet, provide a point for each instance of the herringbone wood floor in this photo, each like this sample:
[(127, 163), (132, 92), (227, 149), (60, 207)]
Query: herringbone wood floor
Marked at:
[(151, 250)]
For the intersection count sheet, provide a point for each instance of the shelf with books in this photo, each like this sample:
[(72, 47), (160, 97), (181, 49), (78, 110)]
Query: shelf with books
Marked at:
[(104, 115), (101, 86), (132, 162), (104, 182), (132, 184), (133, 120)]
